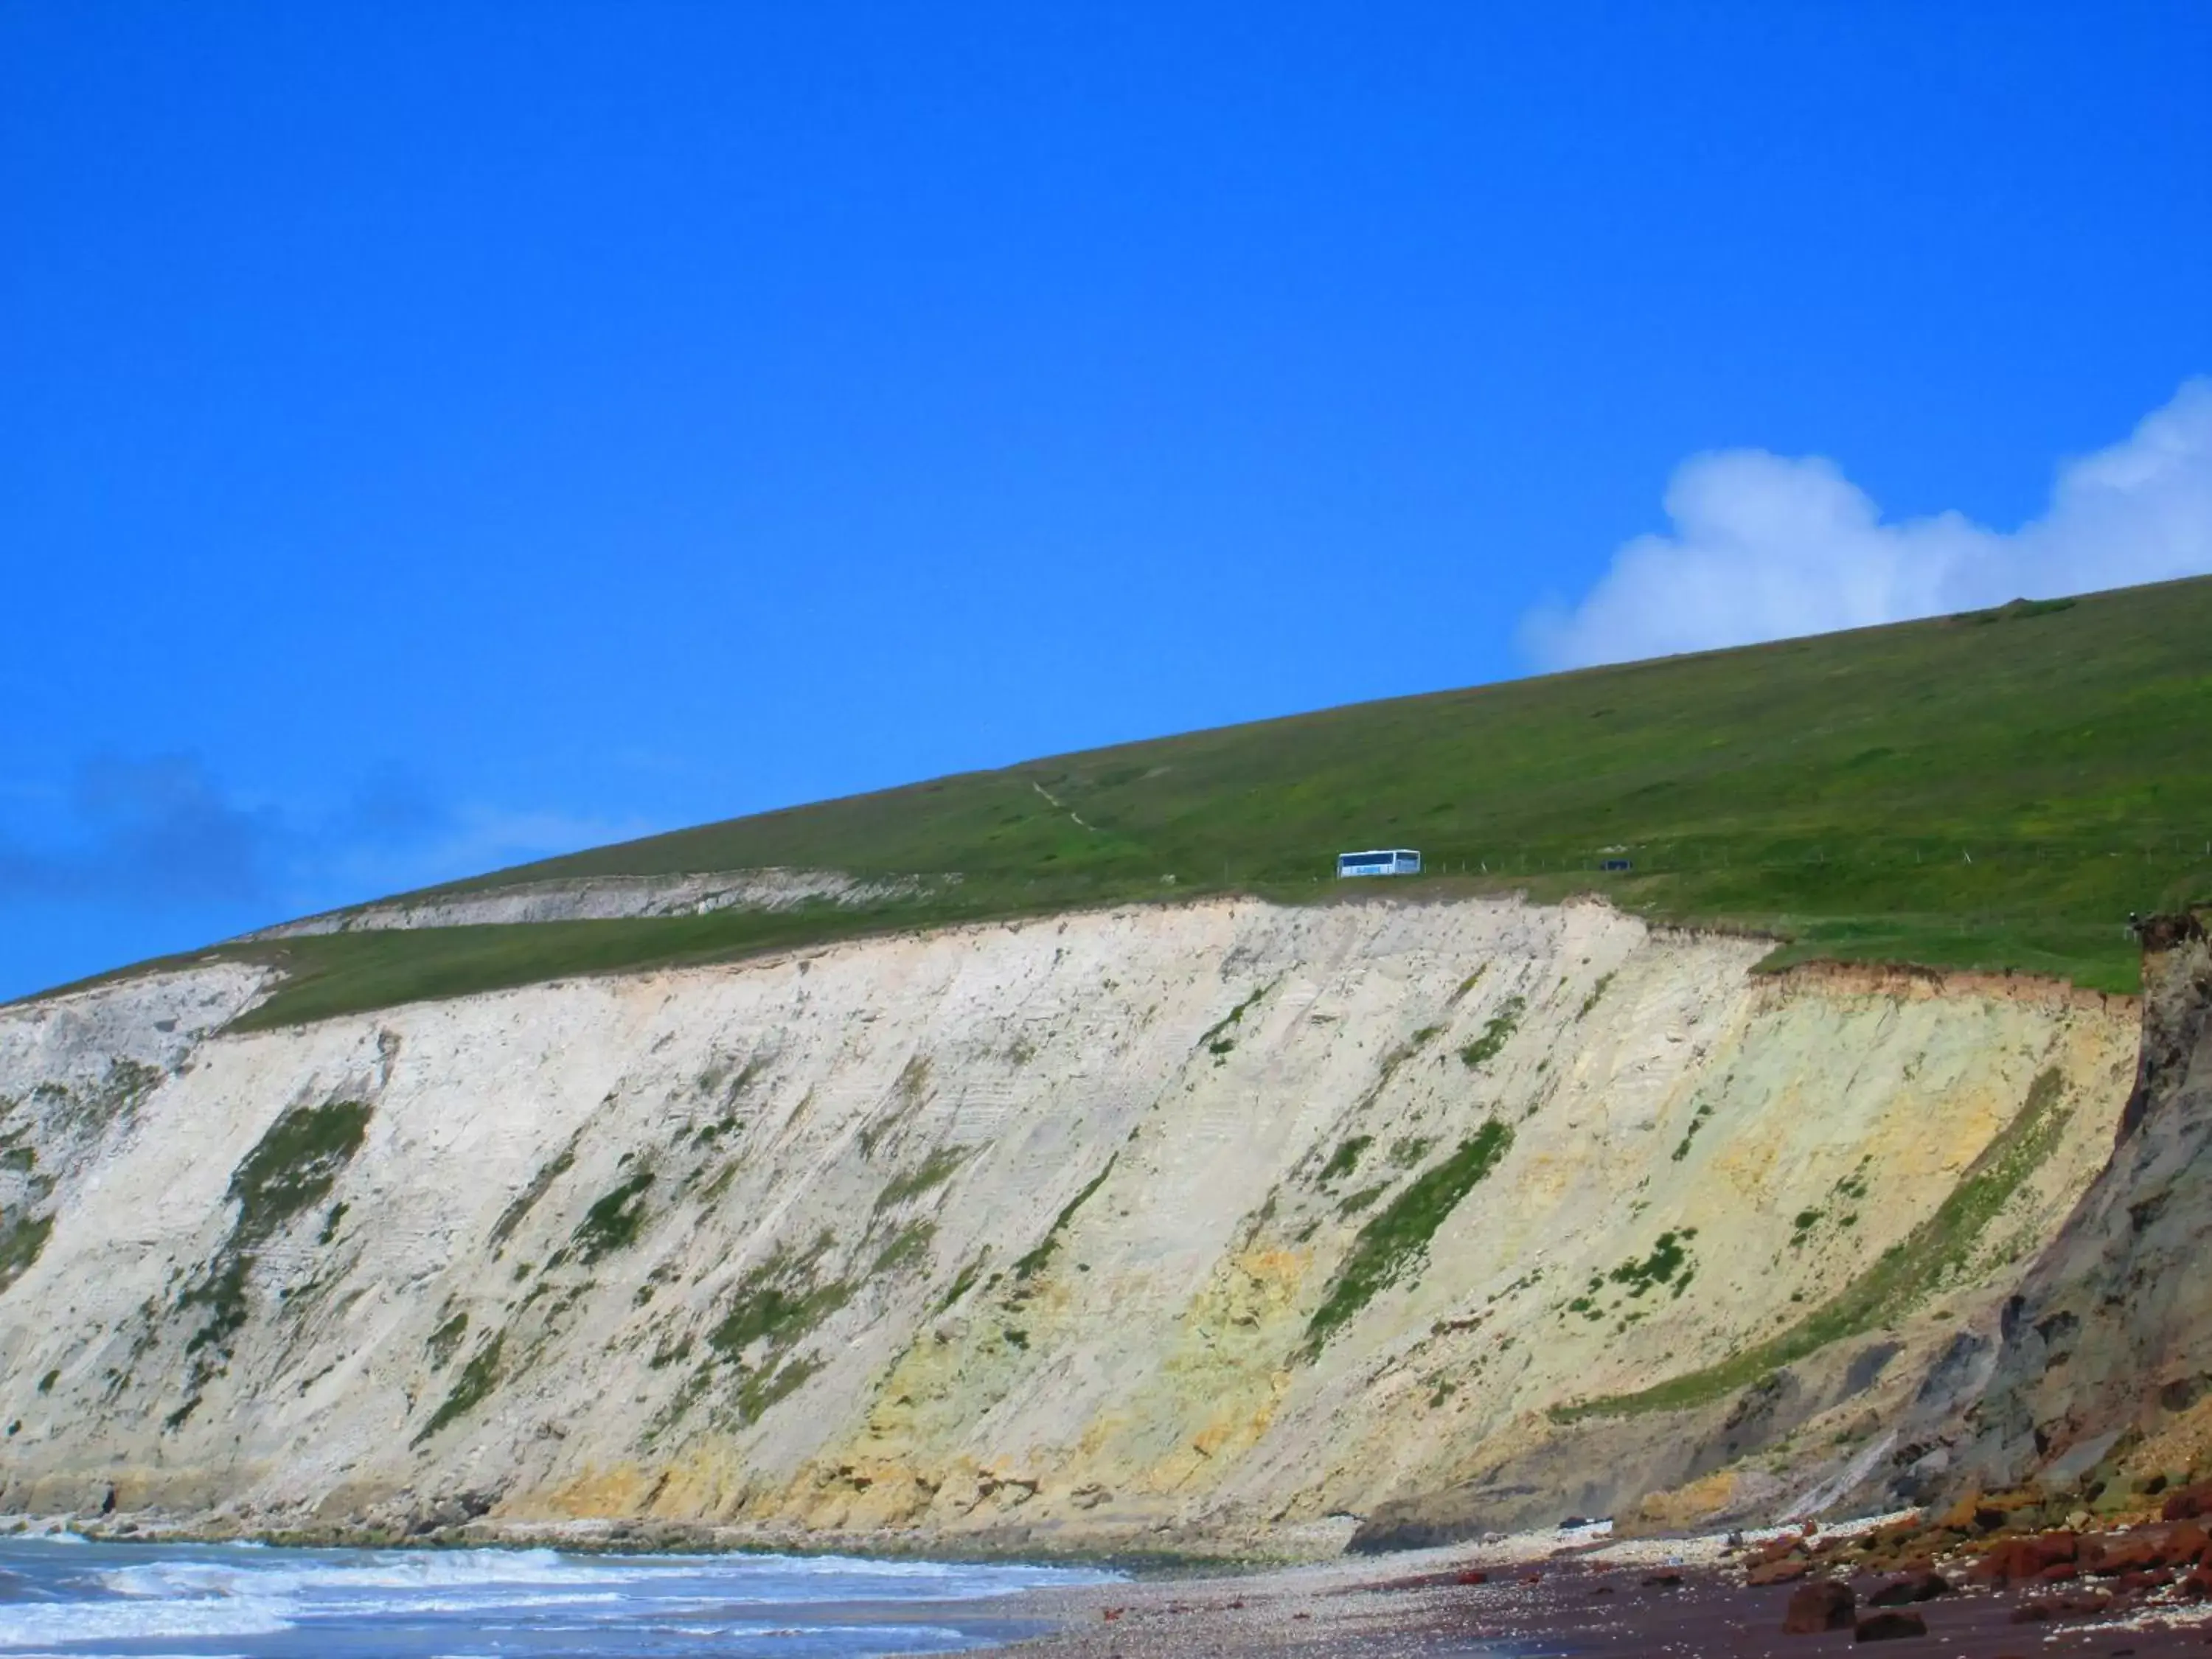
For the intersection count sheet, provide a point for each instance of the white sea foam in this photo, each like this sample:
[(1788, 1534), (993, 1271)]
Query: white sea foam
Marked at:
[(390, 1570), (211, 1596), (491, 1572), (42, 1624)]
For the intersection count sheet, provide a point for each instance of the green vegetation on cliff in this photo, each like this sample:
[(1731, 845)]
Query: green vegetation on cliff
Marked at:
[(291, 1169), (1898, 1280), (477, 1379), (612, 1222), (293, 1166), (1994, 790), (1036, 1261), (21, 1238), (1399, 1236)]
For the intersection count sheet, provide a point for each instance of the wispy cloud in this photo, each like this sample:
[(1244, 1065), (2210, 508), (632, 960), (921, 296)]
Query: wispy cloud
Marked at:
[(151, 831), (1766, 546), (163, 833)]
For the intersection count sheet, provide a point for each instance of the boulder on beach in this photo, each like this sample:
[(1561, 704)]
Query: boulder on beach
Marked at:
[(1824, 1606)]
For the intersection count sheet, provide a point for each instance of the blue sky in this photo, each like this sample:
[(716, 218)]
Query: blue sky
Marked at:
[(436, 435)]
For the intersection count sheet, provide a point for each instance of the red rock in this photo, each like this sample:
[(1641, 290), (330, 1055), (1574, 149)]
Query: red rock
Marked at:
[(2188, 1504), (2196, 1587), (1786, 1572), (1472, 1576), (2063, 1572), (2109, 1556), (1815, 1607), (2186, 1546), (2023, 1558), (1913, 1587), (1888, 1626)]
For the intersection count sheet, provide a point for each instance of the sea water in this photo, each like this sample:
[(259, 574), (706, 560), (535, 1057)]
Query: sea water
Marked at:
[(61, 1595)]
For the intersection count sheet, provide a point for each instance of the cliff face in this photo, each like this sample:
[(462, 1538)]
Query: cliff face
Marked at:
[(2110, 1337), (1174, 1225)]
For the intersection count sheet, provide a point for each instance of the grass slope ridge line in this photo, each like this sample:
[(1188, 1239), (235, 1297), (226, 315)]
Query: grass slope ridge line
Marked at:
[(1979, 793), (1899, 1280)]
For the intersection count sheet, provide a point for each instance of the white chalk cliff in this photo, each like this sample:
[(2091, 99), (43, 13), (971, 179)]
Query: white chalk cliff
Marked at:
[(1160, 1226)]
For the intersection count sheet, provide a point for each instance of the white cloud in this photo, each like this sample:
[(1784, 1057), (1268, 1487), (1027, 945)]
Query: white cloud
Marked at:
[(164, 831), (1764, 547)]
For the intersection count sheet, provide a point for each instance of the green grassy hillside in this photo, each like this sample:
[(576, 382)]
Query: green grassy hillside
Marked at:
[(1992, 790)]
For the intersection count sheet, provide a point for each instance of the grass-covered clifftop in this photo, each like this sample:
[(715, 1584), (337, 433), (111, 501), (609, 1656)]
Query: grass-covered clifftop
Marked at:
[(1994, 790)]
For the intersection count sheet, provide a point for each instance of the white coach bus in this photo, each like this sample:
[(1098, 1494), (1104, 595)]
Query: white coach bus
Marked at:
[(1393, 861)]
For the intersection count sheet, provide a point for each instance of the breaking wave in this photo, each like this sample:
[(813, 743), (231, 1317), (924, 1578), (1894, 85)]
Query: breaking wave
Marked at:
[(195, 1602)]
